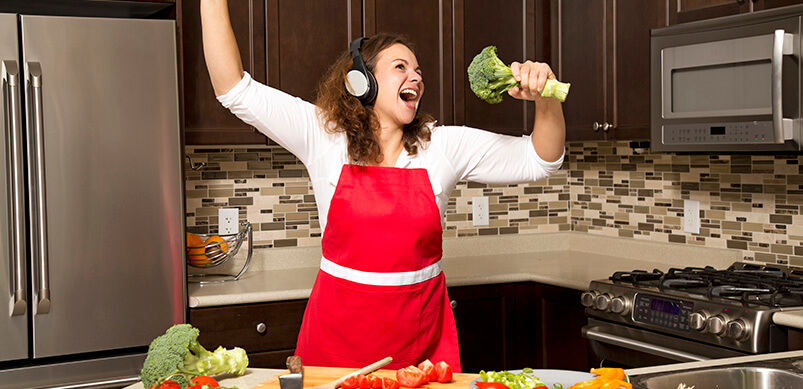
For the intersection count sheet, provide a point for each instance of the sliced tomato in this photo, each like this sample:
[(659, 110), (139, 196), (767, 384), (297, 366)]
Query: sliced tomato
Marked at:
[(198, 382), (411, 377), (389, 383), (353, 382), (166, 385), (429, 369), (376, 382), (490, 385), (443, 372), (365, 383)]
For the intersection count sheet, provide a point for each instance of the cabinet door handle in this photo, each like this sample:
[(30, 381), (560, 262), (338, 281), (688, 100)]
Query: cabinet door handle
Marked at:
[(596, 126), (606, 126), (453, 304), (261, 328)]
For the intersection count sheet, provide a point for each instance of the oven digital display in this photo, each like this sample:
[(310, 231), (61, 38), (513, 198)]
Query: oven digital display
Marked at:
[(663, 312)]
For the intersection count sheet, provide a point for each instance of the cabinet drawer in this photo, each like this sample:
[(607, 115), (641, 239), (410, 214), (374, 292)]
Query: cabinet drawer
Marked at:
[(254, 327), (270, 359)]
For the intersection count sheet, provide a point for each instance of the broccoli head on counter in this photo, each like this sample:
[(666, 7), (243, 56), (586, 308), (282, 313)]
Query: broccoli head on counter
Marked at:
[(177, 356)]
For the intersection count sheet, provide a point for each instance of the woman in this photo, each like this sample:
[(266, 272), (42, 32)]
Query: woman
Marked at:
[(382, 174)]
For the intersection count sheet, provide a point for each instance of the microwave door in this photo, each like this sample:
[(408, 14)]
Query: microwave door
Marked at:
[(728, 79)]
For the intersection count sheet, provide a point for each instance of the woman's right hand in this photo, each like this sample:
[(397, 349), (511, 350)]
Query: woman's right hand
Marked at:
[(220, 48)]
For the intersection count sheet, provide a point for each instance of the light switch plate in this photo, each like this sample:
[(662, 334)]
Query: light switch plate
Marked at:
[(691, 216), (480, 212), (228, 219)]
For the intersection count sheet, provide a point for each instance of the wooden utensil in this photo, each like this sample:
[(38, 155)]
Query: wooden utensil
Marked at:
[(365, 370)]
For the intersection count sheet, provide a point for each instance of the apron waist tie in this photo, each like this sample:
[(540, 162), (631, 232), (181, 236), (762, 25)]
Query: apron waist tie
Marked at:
[(381, 279)]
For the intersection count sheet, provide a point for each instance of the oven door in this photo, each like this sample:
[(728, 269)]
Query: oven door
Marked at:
[(633, 347), (727, 88)]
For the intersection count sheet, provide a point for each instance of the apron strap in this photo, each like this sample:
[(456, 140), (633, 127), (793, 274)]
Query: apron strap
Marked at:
[(381, 279)]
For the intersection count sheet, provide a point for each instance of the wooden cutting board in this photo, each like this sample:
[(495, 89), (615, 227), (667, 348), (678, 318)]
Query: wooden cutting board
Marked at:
[(314, 376)]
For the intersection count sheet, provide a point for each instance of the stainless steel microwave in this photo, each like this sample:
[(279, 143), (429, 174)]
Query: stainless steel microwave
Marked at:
[(730, 84)]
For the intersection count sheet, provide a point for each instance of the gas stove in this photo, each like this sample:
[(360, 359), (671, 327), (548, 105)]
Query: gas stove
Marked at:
[(693, 313)]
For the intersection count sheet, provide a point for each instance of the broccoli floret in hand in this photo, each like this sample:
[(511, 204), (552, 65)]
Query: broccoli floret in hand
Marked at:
[(177, 356), (489, 77)]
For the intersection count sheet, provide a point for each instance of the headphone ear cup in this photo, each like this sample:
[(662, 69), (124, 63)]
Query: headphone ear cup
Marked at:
[(357, 83), (373, 89)]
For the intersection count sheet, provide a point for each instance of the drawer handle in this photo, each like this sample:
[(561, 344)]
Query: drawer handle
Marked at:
[(453, 304), (261, 328)]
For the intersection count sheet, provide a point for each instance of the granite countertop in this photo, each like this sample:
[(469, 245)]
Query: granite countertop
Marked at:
[(567, 259)]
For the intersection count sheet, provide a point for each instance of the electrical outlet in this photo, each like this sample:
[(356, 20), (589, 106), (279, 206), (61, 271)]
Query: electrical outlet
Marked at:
[(228, 220), (691, 216), (480, 214)]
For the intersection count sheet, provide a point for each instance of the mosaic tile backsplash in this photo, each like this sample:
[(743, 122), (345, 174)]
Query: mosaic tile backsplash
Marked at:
[(751, 203)]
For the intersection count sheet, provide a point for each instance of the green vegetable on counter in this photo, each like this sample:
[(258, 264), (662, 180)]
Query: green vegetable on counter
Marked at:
[(523, 380), (177, 356), (489, 77)]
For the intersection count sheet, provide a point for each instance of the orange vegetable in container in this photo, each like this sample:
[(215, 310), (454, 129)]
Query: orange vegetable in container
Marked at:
[(216, 245), (195, 248)]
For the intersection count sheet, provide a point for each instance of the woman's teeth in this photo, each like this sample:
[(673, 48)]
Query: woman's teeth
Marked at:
[(408, 94)]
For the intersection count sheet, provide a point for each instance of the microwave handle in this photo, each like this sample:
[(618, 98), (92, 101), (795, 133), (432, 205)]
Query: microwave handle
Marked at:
[(779, 124)]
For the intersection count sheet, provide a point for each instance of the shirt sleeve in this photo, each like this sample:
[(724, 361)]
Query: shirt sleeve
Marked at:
[(289, 121), (489, 158)]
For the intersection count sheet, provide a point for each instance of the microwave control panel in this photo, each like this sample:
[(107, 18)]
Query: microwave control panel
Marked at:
[(752, 132)]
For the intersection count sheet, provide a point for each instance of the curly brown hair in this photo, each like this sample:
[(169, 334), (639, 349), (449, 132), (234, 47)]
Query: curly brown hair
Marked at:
[(344, 112)]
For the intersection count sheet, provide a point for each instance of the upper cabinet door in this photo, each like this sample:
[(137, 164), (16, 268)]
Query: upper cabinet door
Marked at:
[(304, 38), (603, 49), (683, 11), (767, 4), (204, 120), (629, 114), (287, 44), (429, 25), (579, 35), (510, 26)]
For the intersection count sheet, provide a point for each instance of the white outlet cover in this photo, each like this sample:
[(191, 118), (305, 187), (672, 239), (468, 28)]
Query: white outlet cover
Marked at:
[(480, 215), (228, 221), (691, 216)]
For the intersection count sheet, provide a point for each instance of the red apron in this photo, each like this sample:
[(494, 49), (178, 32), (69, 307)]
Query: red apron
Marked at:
[(380, 291)]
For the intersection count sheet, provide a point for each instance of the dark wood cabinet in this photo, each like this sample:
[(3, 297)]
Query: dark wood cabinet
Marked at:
[(304, 38), (512, 326), (204, 120), (692, 10), (429, 25), (561, 318), (267, 331), (510, 26), (285, 43), (759, 5), (499, 327), (602, 48)]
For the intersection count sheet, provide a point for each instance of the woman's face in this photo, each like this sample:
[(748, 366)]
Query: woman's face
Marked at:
[(400, 86)]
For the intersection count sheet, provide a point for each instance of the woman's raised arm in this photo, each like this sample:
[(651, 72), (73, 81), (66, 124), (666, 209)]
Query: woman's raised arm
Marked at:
[(220, 48)]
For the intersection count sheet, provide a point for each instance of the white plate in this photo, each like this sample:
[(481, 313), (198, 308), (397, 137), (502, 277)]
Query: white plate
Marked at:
[(566, 378)]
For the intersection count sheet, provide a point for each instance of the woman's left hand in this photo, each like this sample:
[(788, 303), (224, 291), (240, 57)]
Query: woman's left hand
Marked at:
[(532, 76)]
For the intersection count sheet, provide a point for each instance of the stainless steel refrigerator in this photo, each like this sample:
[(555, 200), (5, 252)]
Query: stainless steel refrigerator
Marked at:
[(91, 198)]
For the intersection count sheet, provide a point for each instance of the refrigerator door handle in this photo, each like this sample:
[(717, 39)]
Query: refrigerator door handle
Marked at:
[(10, 72), (37, 191)]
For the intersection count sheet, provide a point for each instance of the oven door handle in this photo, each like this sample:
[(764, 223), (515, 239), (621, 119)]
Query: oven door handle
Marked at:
[(594, 333)]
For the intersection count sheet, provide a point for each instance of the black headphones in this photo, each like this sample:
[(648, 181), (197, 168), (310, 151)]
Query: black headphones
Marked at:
[(360, 82)]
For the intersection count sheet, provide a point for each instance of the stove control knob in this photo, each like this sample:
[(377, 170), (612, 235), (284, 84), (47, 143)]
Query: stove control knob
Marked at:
[(587, 298), (716, 325), (620, 305), (697, 320), (603, 302), (737, 329)]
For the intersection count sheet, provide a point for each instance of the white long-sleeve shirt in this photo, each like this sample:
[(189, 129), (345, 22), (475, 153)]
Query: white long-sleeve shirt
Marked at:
[(454, 153)]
